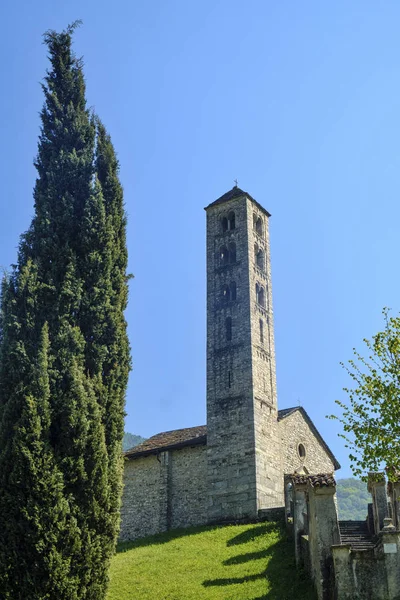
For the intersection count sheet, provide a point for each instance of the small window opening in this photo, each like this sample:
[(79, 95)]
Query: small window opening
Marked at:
[(233, 290), (232, 252), (224, 255), (224, 223), (226, 293), (229, 379), (259, 226), (260, 295), (261, 331), (301, 450), (260, 259), (232, 221), (228, 329)]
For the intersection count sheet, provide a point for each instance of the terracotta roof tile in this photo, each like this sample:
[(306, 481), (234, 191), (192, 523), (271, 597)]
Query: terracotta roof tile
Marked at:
[(322, 480), (299, 479), (169, 440)]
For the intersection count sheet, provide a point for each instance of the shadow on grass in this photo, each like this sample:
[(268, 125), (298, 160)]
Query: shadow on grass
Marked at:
[(254, 532), (232, 580), (164, 538), (173, 534), (243, 558), (285, 581)]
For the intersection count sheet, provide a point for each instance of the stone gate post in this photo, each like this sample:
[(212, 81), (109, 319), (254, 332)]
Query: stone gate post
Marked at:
[(323, 531)]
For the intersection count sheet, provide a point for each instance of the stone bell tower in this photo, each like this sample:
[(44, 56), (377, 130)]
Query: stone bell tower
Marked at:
[(244, 452)]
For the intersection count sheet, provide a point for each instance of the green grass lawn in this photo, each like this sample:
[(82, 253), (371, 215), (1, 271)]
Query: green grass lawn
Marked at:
[(235, 562)]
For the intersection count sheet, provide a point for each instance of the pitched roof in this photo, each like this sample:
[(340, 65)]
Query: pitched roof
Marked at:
[(282, 414), (197, 436), (170, 440), (322, 480), (236, 192)]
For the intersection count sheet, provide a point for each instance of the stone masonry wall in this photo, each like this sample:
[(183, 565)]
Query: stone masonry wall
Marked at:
[(164, 492), (140, 511), (294, 430), (267, 443), (230, 424), (188, 498)]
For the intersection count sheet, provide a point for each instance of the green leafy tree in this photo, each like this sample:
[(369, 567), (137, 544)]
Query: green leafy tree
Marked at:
[(371, 418), (64, 357), (353, 498)]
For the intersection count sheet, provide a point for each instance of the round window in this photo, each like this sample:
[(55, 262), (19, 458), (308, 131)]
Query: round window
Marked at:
[(301, 450)]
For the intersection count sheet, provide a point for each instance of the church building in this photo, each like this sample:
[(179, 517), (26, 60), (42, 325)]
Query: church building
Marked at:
[(234, 466)]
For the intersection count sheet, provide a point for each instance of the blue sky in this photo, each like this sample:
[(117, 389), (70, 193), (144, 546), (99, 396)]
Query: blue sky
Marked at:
[(297, 100)]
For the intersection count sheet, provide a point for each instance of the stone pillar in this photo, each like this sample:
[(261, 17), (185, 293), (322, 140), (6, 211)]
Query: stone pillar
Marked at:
[(164, 458), (300, 517), (377, 488), (344, 577), (390, 546), (323, 531), (288, 493), (394, 495)]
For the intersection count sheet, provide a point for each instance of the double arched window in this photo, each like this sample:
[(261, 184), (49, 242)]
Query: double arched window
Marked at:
[(227, 255), (228, 223), (229, 292), (260, 295)]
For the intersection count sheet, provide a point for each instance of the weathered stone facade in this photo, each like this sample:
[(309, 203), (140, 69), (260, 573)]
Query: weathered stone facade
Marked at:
[(347, 560), (235, 467), (242, 430), (164, 491), (297, 429)]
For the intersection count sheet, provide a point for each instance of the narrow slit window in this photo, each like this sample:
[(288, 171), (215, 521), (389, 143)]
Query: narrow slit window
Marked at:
[(224, 223), (232, 252), (260, 260), (226, 293), (224, 255), (228, 329), (233, 291), (232, 220), (261, 331), (261, 297)]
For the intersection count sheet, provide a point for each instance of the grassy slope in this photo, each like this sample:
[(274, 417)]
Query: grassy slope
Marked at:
[(235, 562)]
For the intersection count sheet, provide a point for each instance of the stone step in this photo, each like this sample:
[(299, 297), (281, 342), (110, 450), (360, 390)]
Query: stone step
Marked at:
[(356, 534)]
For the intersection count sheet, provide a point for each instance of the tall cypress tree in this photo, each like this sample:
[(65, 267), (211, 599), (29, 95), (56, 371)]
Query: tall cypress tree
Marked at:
[(64, 357)]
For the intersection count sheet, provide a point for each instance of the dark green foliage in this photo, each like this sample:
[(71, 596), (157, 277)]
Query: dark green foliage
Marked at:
[(64, 357), (371, 418), (353, 499), (130, 440)]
